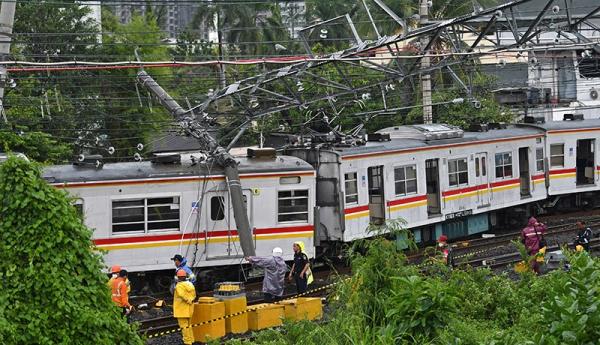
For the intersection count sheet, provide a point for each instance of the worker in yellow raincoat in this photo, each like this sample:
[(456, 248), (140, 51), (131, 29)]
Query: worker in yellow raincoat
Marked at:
[(183, 306)]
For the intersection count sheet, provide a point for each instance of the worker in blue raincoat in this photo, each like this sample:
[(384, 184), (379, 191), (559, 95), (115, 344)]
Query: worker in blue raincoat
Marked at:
[(181, 264), (275, 269)]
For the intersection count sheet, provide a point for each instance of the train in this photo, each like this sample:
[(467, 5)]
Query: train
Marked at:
[(436, 177)]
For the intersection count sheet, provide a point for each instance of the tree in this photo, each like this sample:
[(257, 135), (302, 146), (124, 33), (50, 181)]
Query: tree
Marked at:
[(52, 289), (62, 31)]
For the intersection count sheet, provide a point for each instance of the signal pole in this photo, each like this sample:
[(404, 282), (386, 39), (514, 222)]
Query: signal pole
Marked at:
[(425, 63), (7, 18)]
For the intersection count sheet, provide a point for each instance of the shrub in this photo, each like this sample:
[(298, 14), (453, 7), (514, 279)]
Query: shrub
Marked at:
[(51, 282)]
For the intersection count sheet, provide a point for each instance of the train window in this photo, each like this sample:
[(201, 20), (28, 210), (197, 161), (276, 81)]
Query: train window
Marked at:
[(483, 166), (163, 213), (217, 208), (128, 216), (143, 215), (504, 165), (477, 167), (457, 172), (292, 206), (539, 159), (557, 155), (289, 180), (351, 184), (405, 180)]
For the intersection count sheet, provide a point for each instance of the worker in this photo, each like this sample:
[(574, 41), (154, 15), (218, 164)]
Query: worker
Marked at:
[(183, 306), (300, 267), (114, 270), (275, 269), (181, 264), (532, 237), (584, 235), (445, 250), (119, 293)]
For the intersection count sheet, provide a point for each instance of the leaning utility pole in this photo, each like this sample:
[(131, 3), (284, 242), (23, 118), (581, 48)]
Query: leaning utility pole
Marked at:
[(7, 18), (193, 128), (425, 63)]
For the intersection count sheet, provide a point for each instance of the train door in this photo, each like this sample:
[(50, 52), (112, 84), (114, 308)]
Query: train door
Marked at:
[(585, 161), (432, 178), (524, 175), (220, 235), (376, 195), (481, 178)]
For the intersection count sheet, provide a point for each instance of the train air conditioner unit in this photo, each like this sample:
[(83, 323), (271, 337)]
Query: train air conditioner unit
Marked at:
[(169, 158), (423, 132), (572, 117)]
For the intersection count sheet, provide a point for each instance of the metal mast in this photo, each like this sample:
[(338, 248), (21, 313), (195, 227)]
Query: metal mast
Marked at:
[(7, 18), (222, 157)]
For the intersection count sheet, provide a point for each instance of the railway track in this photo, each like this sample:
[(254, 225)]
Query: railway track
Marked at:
[(169, 323), (471, 248), (507, 259)]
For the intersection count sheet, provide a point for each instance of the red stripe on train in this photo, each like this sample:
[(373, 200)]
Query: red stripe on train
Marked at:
[(464, 190), (505, 183), (199, 235), (356, 209), (406, 200), (562, 171)]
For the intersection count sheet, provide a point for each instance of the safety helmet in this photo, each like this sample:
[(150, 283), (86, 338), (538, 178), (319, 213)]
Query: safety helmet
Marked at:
[(115, 269), (181, 273), (277, 251), (443, 238), (579, 248)]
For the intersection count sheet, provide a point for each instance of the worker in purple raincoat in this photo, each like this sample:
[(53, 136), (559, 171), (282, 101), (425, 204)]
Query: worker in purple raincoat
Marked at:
[(531, 236), (275, 269)]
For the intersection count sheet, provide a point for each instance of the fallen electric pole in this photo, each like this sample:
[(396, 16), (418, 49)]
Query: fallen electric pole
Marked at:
[(193, 128)]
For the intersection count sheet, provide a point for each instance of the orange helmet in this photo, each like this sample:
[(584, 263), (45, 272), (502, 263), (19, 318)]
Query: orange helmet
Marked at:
[(115, 269), (181, 273)]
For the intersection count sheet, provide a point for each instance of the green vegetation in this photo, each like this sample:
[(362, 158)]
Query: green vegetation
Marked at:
[(389, 302), (52, 289)]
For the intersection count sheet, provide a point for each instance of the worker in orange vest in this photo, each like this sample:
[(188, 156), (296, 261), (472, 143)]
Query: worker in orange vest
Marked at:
[(183, 306), (114, 270), (119, 293)]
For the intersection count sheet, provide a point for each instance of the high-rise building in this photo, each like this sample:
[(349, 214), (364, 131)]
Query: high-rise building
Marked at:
[(173, 17)]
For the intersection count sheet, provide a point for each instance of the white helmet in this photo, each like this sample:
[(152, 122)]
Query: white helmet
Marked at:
[(277, 251)]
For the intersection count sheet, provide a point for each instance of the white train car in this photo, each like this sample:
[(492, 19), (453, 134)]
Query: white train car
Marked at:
[(433, 176), (574, 167), (144, 213)]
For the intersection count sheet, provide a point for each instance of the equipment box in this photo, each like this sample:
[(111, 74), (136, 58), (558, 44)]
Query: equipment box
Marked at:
[(208, 308), (265, 315), (236, 324), (303, 308)]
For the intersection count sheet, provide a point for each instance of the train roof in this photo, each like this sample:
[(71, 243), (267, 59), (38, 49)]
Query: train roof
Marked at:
[(511, 131), (140, 170), (565, 125)]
